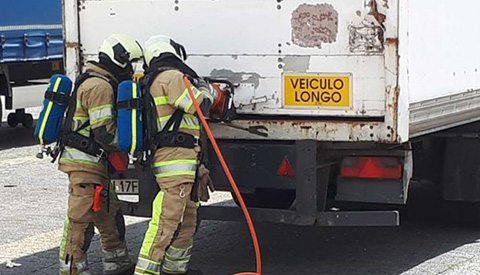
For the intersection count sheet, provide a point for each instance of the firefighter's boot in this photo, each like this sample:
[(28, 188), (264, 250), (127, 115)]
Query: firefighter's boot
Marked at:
[(78, 268), (117, 262)]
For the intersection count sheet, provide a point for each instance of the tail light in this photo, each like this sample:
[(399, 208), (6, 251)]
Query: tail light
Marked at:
[(372, 168), (119, 161)]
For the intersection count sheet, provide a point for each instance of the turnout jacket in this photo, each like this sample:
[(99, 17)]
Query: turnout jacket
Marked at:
[(175, 165), (94, 104)]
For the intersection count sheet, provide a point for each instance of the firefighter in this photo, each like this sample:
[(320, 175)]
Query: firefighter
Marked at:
[(175, 162), (93, 125)]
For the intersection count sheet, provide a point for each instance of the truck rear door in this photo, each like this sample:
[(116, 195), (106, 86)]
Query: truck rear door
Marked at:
[(291, 59)]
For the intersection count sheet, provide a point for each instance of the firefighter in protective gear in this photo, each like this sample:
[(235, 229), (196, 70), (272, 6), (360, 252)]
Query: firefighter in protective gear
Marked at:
[(94, 119), (175, 167)]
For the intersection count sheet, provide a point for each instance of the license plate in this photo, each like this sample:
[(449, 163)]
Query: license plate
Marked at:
[(318, 90), (127, 190), (126, 186)]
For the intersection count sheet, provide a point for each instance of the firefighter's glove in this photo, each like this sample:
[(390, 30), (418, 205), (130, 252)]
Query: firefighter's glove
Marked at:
[(204, 184), (201, 83)]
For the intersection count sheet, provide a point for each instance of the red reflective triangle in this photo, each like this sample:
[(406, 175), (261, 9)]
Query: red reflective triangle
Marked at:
[(371, 170), (285, 169)]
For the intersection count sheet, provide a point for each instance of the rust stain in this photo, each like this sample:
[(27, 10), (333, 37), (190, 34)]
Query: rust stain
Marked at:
[(374, 12), (72, 45), (392, 42), (313, 25)]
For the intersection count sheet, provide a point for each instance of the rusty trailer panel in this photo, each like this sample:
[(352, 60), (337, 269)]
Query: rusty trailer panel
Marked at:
[(397, 78)]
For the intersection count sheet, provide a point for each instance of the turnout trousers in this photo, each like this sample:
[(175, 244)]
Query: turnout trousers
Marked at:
[(168, 243), (80, 223)]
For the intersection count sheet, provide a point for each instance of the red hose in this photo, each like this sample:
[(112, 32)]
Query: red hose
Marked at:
[(230, 178)]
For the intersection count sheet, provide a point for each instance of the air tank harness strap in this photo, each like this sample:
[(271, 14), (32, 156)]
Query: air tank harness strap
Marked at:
[(84, 144), (59, 98), (174, 138), (136, 103)]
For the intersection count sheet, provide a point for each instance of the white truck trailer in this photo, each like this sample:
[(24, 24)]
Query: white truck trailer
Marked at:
[(356, 97)]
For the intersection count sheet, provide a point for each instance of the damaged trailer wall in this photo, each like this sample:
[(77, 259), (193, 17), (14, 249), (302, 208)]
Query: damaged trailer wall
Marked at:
[(256, 43)]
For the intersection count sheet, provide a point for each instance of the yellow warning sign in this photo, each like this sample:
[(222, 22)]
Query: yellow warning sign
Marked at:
[(320, 90)]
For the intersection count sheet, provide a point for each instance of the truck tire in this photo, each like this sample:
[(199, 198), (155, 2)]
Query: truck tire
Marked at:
[(12, 120), (27, 120), (268, 198)]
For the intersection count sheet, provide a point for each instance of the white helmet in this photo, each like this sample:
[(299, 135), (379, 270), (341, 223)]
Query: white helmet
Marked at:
[(159, 44), (122, 49)]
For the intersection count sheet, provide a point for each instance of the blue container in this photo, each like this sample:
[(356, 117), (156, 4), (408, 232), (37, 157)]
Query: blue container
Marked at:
[(129, 117), (55, 103), (30, 30)]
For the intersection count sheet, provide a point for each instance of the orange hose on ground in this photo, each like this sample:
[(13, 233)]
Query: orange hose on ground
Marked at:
[(230, 178)]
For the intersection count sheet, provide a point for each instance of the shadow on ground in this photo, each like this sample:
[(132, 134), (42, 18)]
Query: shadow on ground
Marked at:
[(225, 248), (16, 137)]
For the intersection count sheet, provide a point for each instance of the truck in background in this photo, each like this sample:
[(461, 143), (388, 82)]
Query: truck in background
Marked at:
[(358, 97), (31, 50)]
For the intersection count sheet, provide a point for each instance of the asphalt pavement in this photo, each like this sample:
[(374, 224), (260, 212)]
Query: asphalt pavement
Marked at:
[(33, 205)]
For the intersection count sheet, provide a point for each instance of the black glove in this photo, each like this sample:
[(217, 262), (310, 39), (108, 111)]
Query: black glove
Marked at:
[(200, 83)]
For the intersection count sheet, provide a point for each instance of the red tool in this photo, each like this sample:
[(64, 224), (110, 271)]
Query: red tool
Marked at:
[(97, 199)]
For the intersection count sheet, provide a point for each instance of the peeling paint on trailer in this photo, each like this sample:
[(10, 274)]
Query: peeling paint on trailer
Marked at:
[(369, 35), (307, 129), (296, 63), (313, 25)]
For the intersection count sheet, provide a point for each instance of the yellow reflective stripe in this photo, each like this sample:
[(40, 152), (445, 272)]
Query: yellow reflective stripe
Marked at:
[(175, 253), (189, 105), (79, 161), (170, 162), (102, 119), (189, 127), (141, 271), (181, 98), (101, 107), (161, 100), (171, 260), (100, 113), (183, 167), (63, 243), (78, 121), (154, 225), (188, 122), (48, 111), (81, 118), (85, 132), (148, 265), (134, 122), (184, 102), (72, 155), (176, 173), (164, 118), (175, 266), (79, 104)]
